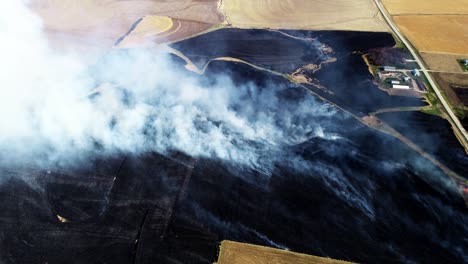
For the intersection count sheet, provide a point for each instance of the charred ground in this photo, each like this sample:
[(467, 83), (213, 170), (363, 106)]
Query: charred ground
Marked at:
[(360, 195)]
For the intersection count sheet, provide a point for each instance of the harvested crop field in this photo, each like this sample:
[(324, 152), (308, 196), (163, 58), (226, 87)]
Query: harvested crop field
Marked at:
[(443, 62), (105, 21), (155, 29), (446, 82), (455, 87), (358, 15), (457, 79), (424, 7), (146, 28), (441, 33), (239, 253)]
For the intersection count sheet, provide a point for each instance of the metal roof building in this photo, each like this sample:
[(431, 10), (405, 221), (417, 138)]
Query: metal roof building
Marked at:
[(397, 86)]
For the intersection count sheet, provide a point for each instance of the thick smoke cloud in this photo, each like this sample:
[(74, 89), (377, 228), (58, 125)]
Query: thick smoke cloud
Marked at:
[(145, 104)]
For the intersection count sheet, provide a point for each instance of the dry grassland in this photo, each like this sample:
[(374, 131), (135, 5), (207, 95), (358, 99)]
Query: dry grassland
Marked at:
[(102, 22), (239, 253), (443, 62), (437, 33), (407, 7), (358, 15)]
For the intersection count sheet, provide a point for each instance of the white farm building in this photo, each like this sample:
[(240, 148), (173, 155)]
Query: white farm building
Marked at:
[(398, 86)]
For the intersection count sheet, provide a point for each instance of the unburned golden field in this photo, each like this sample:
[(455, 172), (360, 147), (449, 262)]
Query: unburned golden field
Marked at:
[(399, 7), (149, 26), (239, 253), (436, 33), (358, 15), (95, 23)]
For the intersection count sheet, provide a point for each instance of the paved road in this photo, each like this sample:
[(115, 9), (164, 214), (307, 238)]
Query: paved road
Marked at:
[(453, 118)]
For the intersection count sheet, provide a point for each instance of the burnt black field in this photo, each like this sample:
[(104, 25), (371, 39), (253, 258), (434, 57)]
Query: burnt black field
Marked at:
[(348, 79), (265, 48), (432, 133), (362, 196)]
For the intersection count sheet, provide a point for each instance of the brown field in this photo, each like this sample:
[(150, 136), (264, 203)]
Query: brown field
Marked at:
[(103, 22), (239, 253), (446, 82), (457, 79), (436, 33), (443, 62), (406, 7), (443, 80), (358, 15)]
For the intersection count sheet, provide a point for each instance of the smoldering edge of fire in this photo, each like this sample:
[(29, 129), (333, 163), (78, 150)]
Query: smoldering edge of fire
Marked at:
[(151, 105)]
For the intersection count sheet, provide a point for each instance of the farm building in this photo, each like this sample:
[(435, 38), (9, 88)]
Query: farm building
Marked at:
[(395, 82), (389, 68), (397, 86), (416, 72)]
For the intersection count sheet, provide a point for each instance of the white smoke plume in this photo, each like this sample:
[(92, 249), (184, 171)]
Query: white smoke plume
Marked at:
[(149, 104)]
